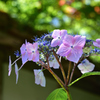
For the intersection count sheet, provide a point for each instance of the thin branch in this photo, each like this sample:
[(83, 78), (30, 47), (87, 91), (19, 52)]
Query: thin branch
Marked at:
[(62, 70), (69, 69), (72, 73)]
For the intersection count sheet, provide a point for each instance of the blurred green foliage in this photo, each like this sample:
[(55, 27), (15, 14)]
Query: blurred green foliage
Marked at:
[(76, 16)]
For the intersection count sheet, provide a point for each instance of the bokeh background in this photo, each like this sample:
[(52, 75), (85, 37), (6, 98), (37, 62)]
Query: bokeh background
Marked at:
[(24, 19)]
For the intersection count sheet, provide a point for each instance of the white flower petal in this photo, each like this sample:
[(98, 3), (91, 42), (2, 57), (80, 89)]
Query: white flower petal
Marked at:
[(39, 77), (86, 66), (16, 72), (54, 64), (9, 67)]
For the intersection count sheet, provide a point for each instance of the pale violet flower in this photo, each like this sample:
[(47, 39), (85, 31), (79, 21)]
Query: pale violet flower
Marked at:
[(32, 51), (29, 52), (16, 72), (10, 66), (58, 36), (54, 64), (39, 77), (72, 47), (97, 43), (85, 66)]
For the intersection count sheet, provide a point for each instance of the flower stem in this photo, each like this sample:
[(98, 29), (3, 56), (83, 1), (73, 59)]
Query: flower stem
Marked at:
[(62, 70), (54, 75), (69, 69), (60, 83), (72, 73)]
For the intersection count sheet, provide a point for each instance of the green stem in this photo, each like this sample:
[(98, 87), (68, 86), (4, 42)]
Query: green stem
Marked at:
[(58, 79), (60, 83), (62, 70)]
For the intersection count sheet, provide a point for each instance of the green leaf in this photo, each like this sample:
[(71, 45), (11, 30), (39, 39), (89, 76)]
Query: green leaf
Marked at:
[(85, 75), (58, 94)]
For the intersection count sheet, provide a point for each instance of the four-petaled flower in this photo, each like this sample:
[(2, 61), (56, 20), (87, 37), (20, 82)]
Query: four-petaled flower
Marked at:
[(71, 48), (32, 50), (39, 77), (29, 52), (97, 43), (58, 36), (85, 66)]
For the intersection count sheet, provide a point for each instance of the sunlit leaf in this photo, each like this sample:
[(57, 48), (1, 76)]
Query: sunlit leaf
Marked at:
[(58, 94)]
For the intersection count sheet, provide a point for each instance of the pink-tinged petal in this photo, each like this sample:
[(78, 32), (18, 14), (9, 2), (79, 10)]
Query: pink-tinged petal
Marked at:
[(54, 64), (16, 72), (24, 58), (63, 33), (63, 50), (29, 47), (68, 40), (56, 33), (75, 54), (56, 42), (36, 56), (33, 56), (39, 77), (97, 43), (86, 66), (79, 40), (35, 46), (10, 66)]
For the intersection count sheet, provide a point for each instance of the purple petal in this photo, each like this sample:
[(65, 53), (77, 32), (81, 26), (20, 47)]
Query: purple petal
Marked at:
[(29, 47), (75, 54), (79, 40), (36, 56), (23, 49), (16, 72), (33, 56), (56, 33), (56, 42), (63, 50), (97, 43), (9, 67), (63, 33), (68, 40), (24, 58), (35, 46)]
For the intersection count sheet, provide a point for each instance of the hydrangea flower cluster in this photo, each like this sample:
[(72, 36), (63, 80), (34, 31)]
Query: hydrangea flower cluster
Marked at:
[(48, 50)]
